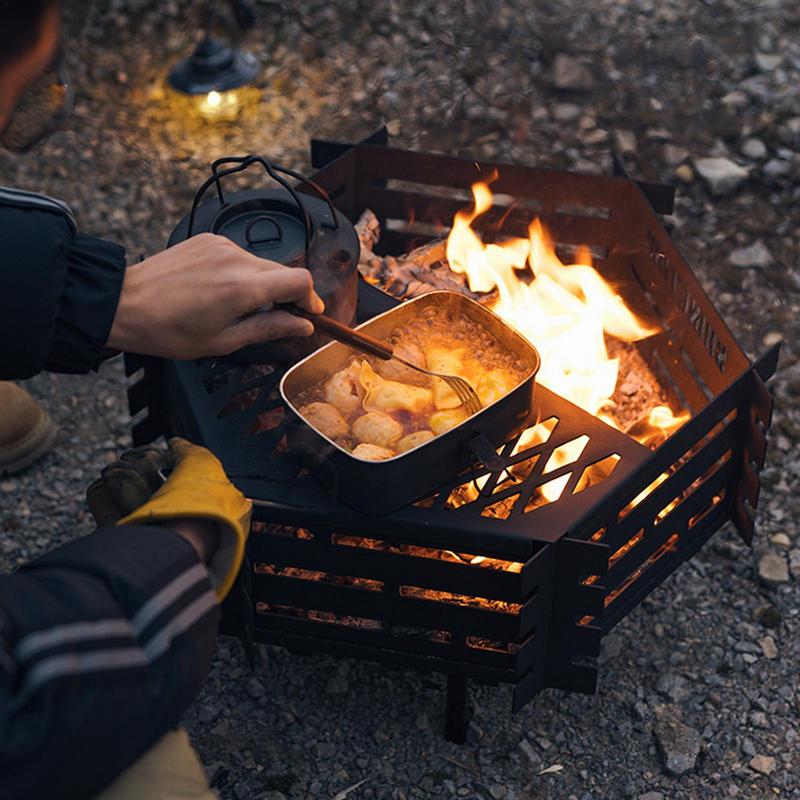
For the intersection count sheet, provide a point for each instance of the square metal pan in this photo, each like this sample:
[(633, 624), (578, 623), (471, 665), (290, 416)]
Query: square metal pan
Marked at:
[(377, 487)]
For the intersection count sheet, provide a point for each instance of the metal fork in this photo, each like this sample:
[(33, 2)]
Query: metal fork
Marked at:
[(361, 341)]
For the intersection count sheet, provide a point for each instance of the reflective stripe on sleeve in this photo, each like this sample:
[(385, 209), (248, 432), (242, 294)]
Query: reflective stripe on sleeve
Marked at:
[(167, 596), (75, 663), (108, 659), (41, 201), (70, 633), (159, 643)]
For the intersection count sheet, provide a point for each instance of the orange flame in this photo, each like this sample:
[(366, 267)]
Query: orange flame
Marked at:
[(565, 310)]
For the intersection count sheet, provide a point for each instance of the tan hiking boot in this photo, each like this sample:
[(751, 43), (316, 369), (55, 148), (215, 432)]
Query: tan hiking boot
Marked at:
[(26, 430)]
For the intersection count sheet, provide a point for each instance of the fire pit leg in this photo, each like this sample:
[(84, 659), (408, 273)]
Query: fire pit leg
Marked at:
[(457, 712)]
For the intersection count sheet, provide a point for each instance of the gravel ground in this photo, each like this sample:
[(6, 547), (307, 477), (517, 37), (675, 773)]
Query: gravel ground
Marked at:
[(554, 83)]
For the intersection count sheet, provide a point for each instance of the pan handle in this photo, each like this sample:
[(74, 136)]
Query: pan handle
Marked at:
[(480, 448)]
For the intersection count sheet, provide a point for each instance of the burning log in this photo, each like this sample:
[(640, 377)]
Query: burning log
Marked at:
[(368, 229), (418, 272)]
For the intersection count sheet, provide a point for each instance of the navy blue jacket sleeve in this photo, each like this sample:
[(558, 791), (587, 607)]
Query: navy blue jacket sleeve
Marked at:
[(104, 643), (59, 289)]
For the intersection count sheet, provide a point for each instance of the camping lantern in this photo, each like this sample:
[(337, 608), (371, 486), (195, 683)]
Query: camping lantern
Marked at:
[(215, 75)]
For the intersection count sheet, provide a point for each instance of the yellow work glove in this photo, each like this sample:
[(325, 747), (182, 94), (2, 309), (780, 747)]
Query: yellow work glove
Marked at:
[(197, 487)]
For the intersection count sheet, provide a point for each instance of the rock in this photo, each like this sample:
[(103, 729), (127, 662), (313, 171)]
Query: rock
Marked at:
[(594, 137), (773, 570), (325, 749), (527, 750), (768, 647), (767, 62), (337, 686), (754, 148), (776, 168), (624, 141), (721, 174), (657, 135), (565, 112), (242, 791), (254, 688), (735, 100), (673, 687), (794, 563), (678, 743), (571, 74), (587, 167), (651, 796), (684, 173), (763, 764), (273, 794), (793, 126), (778, 539), (221, 729), (207, 714), (498, 791), (675, 155), (768, 615), (759, 719), (756, 255)]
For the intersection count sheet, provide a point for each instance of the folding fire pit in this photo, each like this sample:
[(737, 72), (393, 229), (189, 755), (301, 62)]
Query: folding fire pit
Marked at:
[(497, 585)]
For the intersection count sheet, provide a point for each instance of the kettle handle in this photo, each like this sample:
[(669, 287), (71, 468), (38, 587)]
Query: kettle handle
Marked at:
[(241, 163)]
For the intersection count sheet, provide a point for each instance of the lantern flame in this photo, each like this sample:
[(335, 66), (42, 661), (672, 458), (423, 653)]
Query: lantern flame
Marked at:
[(220, 106)]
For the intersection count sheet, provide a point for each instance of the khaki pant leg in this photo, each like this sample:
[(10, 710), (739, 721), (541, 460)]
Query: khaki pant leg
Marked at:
[(169, 770)]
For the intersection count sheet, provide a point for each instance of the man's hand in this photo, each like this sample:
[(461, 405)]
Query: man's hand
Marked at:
[(196, 500), (208, 297)]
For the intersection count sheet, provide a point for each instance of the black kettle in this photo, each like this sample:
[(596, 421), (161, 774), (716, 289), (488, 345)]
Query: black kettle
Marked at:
[(288, 225)]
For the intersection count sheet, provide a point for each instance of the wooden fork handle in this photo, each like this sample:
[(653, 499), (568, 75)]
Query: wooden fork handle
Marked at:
[(341, 332)]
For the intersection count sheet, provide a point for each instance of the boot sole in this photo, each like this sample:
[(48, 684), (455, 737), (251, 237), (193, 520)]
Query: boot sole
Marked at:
[(33, 446)]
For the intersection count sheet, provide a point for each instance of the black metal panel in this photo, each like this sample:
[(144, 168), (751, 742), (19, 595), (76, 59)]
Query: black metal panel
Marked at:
[(320, 565), (574, 600), (462, 578), (306, 638), (324, 151), (691, 502)]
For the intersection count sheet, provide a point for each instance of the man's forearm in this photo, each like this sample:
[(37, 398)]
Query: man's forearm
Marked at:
[(115, 630)]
